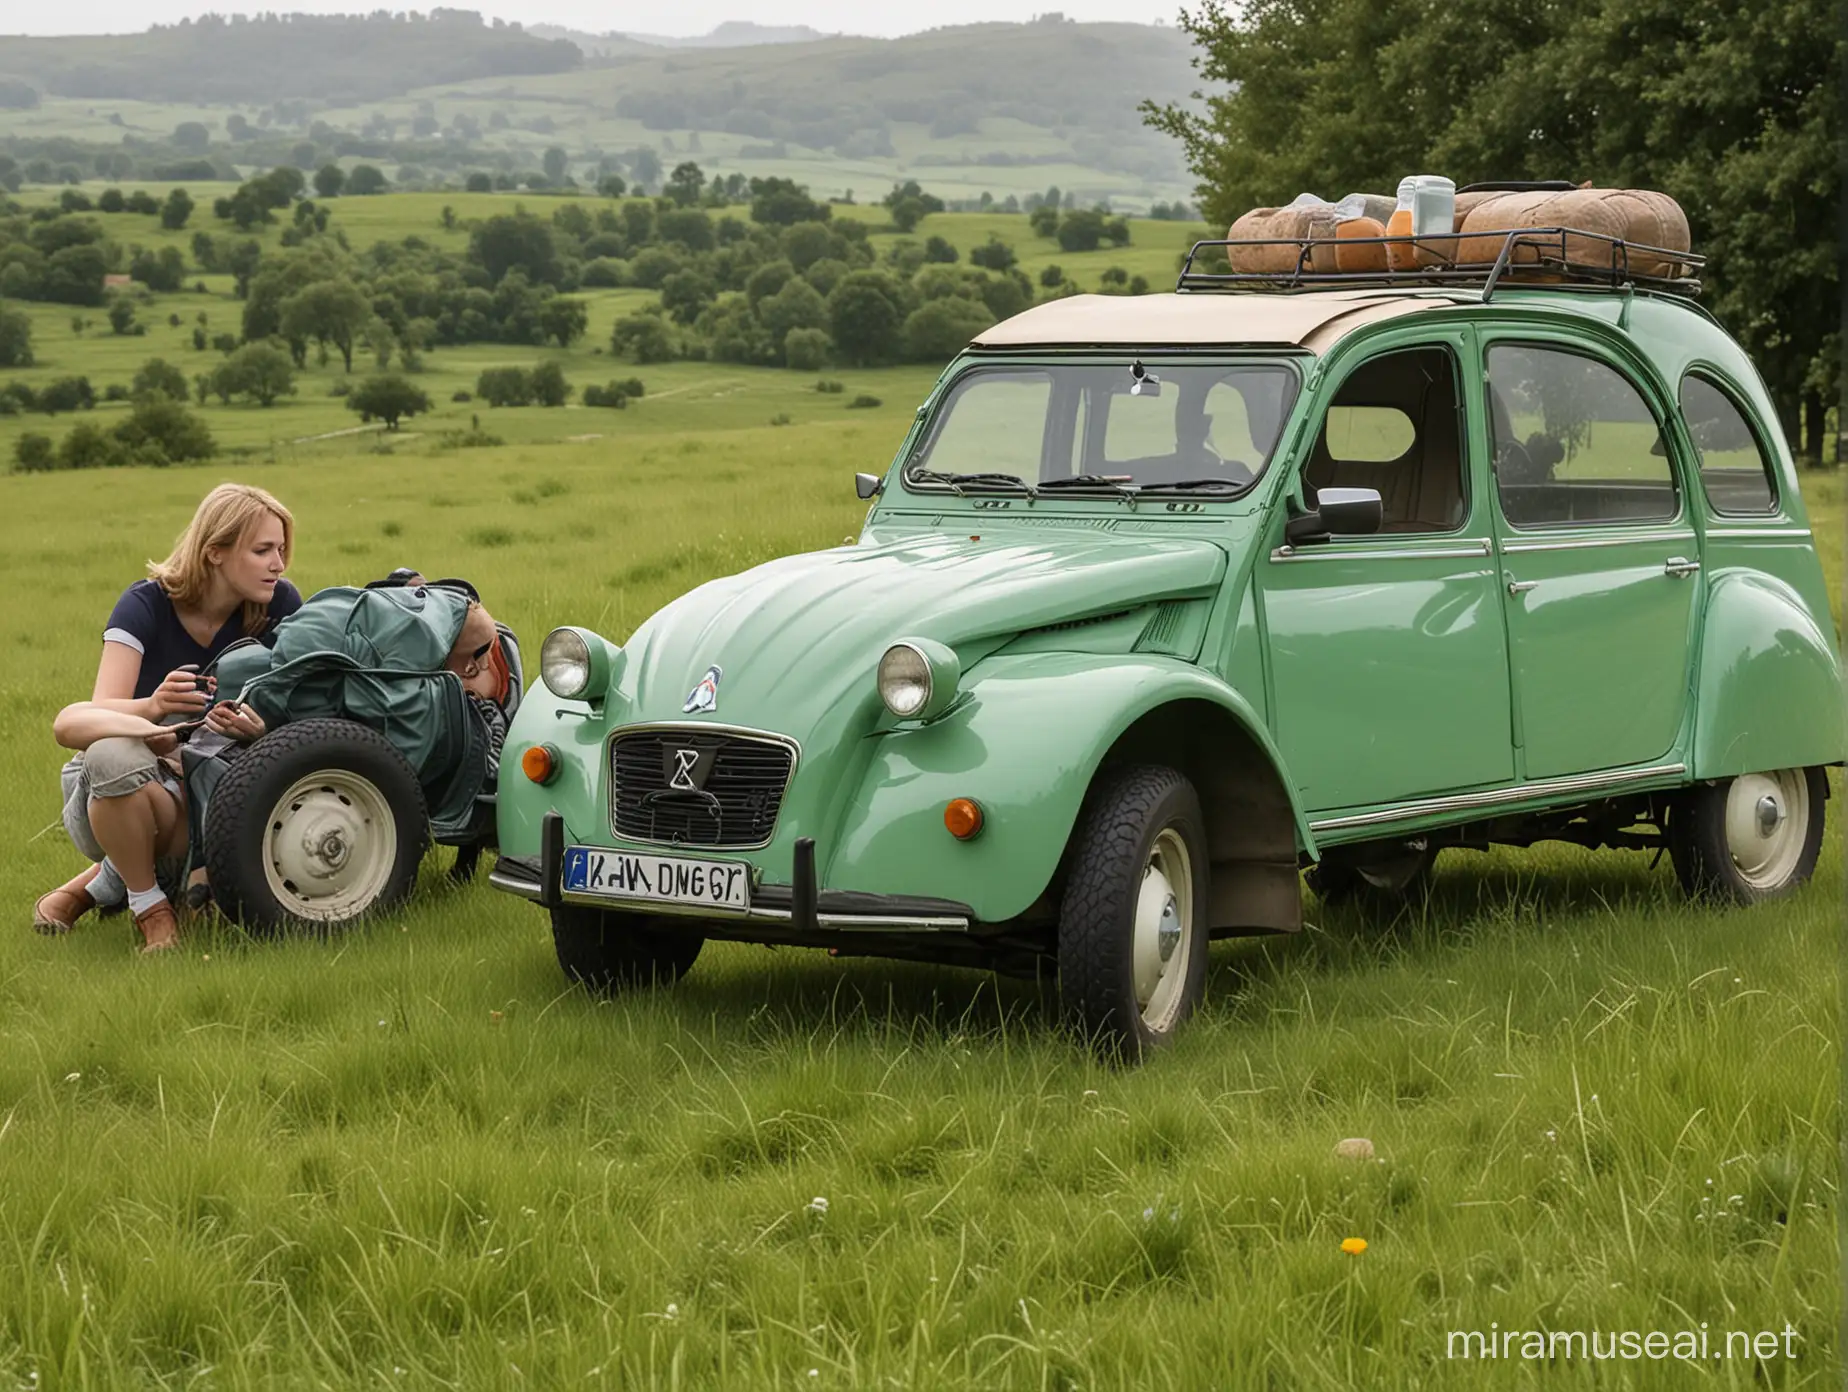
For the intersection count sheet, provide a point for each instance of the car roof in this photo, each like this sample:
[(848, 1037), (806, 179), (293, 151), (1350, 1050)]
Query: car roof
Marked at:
[(1314, 321)]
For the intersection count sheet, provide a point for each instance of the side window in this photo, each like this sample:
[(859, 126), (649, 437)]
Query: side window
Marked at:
[(1393, 427), (1734, 471), (1574, 441)]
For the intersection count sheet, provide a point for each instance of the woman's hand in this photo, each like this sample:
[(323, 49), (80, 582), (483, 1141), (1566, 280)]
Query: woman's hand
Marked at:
[(236, 721), (179, 694)]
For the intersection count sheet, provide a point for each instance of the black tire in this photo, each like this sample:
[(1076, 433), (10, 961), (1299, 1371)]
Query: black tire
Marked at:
[(606, 951), (1708, 864), (243, 834), (1125, 816), (1380, 880)]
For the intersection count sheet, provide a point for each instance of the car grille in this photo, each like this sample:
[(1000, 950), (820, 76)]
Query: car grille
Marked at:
[(738, 787)]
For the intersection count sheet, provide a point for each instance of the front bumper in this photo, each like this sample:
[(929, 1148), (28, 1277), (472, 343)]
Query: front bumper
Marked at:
[(799, 908)]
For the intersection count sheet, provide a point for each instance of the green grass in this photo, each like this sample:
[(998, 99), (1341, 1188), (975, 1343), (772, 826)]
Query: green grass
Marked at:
[(409, 1156)]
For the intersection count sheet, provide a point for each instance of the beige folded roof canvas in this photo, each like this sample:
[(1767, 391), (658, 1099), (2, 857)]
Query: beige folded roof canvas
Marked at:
[(1313, 321)]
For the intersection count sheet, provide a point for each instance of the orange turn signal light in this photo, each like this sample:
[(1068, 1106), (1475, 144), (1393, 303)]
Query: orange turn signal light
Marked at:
[(540, 763), (962, 817)]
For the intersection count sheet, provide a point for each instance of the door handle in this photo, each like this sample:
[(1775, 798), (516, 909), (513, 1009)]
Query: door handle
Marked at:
[(1516, 587), (1680, 567)]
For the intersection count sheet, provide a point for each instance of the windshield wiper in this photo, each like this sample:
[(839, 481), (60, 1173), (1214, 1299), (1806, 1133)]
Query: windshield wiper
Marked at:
[(1121, 489), (1202, 485), (958, 482)]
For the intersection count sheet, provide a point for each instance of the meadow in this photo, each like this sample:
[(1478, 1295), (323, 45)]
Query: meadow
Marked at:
[(409, 1156), (704, 393)]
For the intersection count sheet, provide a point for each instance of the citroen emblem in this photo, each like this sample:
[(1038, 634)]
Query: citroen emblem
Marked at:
[(685, 761)]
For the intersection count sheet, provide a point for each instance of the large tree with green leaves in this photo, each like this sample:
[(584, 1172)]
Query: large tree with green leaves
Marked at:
[(1732, 109)]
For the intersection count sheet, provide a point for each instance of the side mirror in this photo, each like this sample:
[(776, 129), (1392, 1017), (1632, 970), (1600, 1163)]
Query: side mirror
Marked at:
[(1338, 512), (868, 486)]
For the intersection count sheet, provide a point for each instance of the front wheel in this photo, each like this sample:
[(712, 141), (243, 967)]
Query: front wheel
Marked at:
[(320, 822), (1132, 926), (1750, 838), (605, 951)]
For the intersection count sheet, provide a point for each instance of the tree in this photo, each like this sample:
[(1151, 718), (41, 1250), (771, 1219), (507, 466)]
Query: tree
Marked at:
[(329, 179), (644, 337), (515, 241), (15, 338), (333, 311), (798, 305), (686, 293), (111, 200), (907, 213), (480, 183), (164, 270), (685, 184), (686, 227), (387, 397), (160, 430), (122, 315), (33, 453), (994, 254), (940, 329), (259, 371), (549, 385), (158, 377), (611, 186), (937, 249), (564, 319), (865, 313), (365, 179), (505, 386), (1081, 230), (1044, 220), (192, 136), (175, 211), (780, 202), (556, 163)]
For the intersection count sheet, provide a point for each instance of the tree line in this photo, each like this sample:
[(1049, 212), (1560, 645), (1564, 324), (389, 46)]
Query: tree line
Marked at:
[(1734, 110)]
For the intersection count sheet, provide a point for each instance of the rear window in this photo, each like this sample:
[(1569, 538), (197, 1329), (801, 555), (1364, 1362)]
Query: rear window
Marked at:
[(1734, 469)]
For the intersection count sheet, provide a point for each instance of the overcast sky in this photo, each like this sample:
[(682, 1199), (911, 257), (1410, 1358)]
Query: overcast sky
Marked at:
[(686, 17)]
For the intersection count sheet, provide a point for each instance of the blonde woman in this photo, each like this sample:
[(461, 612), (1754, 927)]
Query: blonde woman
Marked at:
[(122, 802)]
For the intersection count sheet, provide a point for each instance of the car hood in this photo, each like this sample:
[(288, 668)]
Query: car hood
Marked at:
[(797, 640)]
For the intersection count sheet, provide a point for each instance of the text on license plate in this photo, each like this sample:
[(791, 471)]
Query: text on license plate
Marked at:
[(719, 884)]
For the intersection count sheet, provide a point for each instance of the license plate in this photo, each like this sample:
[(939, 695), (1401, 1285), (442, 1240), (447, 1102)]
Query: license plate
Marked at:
[(658, 879)]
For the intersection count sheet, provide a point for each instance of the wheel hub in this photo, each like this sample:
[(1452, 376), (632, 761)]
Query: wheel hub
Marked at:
[(1767, 821), (329, 846), (1158, 943), (1168, 931)]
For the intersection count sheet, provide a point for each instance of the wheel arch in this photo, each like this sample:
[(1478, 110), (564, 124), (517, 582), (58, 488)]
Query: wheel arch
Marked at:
[(1255, 829), (1769, 691)]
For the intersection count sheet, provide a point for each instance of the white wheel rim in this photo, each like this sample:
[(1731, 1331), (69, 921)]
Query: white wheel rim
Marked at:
[(329, 846), (1767, 822), (1162, 941)]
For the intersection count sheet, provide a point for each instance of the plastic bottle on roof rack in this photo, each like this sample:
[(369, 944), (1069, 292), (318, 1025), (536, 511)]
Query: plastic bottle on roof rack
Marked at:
[(1427, 207)]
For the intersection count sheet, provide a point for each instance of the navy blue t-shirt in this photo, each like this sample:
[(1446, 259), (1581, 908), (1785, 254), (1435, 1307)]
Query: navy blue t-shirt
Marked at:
[(144, 619)]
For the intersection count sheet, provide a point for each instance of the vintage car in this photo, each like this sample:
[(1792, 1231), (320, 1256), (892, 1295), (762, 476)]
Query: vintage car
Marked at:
[(1166, 599)]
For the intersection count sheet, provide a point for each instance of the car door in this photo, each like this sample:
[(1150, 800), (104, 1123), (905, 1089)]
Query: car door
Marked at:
[(1388, 660), (1600, 560)]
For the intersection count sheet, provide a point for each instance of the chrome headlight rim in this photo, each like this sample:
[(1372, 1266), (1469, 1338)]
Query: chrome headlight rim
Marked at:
[(931, 680), (567, 674)]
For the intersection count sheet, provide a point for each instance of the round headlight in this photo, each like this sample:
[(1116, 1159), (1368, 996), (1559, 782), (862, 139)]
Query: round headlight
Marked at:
[(564, 663), (904, 680)]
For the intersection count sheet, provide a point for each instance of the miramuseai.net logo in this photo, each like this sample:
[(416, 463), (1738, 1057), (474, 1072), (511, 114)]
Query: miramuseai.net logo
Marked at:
[(1702, 1345)]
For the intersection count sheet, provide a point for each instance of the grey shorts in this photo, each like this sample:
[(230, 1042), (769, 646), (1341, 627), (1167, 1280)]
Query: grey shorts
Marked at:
[(107, 769)]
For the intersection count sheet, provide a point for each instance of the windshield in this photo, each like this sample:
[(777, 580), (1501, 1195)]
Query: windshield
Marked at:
[(1129, 426)]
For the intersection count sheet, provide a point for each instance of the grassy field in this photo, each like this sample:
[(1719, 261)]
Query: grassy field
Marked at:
[(410, 1157)]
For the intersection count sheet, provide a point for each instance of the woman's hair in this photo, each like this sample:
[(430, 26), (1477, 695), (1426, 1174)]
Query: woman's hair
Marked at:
[(225, 518)]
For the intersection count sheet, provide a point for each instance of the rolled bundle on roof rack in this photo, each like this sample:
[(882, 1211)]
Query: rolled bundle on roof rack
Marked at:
[(1309, 220), (1640, 218)]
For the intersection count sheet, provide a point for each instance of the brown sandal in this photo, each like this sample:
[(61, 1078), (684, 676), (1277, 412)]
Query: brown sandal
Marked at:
[(159, 929), (58, 911)]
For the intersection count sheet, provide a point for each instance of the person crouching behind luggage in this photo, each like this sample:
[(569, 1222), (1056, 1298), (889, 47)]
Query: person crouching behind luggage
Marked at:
[(122, 802)]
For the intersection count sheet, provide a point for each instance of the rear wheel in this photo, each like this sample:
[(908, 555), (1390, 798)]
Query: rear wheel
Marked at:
[(606, 951), (1749, 838), (1132, 926), (321, 822)]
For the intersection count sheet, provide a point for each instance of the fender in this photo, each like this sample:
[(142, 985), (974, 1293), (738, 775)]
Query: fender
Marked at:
[(1770, 687), (1024, 742)]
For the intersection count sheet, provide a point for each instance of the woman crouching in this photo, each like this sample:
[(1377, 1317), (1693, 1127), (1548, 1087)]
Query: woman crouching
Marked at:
[(123, 805)]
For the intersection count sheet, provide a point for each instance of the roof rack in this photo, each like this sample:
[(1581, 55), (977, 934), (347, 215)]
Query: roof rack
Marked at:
[(1543, 261)]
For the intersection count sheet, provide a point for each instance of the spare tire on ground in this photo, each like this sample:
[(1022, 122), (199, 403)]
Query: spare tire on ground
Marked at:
[(319, 823)]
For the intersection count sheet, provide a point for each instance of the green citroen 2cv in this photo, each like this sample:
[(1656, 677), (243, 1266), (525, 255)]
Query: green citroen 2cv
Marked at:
[(1165, 599)]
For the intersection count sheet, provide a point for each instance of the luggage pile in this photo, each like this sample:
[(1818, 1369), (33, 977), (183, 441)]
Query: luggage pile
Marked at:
[(1432, 227)]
